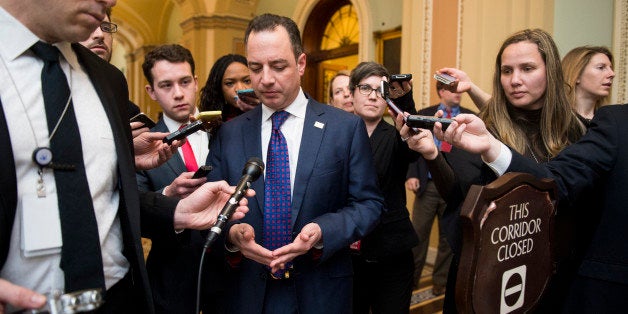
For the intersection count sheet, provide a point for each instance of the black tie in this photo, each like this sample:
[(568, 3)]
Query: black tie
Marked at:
[(81, 259)]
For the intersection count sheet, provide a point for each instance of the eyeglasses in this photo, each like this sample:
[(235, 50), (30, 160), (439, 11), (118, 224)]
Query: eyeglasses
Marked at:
[(108, 27), (366, 90)]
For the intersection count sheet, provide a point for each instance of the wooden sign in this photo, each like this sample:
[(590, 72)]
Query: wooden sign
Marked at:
[(507, 256)]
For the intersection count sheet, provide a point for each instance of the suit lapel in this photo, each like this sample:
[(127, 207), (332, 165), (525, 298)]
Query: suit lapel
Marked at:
[(8, 188), (313, 130), (252, 148)]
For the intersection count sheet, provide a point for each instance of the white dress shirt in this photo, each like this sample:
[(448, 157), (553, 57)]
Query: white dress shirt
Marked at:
[(199, 141), (292, 130), (23, 105)]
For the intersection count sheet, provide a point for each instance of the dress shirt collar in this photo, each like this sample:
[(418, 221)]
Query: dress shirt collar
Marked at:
[(296, 108), (175, 125), (22, 39), (454, 110)]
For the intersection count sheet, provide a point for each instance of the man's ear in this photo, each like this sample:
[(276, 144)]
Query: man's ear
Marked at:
[(301, 61), (150, 91)]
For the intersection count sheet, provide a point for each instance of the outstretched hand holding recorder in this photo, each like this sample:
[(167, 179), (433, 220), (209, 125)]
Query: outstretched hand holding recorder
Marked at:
[(205, 120), (414, 121)]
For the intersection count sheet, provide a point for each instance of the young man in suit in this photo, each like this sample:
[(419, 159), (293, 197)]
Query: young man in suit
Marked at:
[(428, 204), (594, 166), (97, 112), (169, 70), (327, 185)]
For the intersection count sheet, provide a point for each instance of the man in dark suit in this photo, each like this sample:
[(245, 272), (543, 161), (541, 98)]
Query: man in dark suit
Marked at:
[(332, 194), (172, 271), (597, 162), (99, 96), (428, 204)]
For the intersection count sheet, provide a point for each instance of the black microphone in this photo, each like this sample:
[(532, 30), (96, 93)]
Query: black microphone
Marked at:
[(252, 170)]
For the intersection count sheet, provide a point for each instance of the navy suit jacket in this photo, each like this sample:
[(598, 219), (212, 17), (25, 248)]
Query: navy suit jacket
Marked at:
[(157, 211), (595, 167), (335, 187)]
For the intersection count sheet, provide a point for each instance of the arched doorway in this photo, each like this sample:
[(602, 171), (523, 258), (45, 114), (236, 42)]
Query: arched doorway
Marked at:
[(330, 38)]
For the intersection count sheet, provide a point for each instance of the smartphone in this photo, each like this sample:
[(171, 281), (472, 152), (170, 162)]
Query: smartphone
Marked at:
[(445, 78), (184, 132), (400, 77), (202, 171), (249, 92), (384, 89), (144, 119), (426, 122), (209, 116)]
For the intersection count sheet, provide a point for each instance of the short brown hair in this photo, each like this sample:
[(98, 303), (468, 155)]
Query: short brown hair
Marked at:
[(269, 22), (171, 53)]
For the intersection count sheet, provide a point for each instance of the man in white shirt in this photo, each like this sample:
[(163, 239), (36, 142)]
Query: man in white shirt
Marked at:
[(99, 96)]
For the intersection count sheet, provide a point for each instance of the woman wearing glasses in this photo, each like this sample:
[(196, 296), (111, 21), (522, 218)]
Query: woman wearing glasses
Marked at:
[(383, 262)]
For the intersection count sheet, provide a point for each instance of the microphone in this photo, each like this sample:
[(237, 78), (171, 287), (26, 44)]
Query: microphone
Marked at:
[(252, 170)]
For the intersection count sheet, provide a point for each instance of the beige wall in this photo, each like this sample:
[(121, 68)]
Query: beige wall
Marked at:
[(435, 33)]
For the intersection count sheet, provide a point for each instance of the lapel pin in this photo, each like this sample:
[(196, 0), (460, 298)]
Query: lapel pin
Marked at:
[(319, 125)]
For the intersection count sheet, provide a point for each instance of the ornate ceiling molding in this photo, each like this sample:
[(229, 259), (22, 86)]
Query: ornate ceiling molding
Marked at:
[(213, 22)]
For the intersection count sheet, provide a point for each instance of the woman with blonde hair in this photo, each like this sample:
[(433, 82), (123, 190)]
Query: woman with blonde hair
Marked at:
[(589, 74)]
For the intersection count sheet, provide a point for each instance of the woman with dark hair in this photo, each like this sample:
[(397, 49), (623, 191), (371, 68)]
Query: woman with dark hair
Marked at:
[(229, 74), (383, 264)]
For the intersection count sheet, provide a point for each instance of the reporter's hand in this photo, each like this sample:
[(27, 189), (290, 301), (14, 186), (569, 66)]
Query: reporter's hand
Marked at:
[(412, 184), (183, 185), (201, 208), (151, 151), (247, 103), (305, 240), (19, 297), (421, 141), (242, 236), (463, 82), (468, 132), (397, 90), (137, 129)]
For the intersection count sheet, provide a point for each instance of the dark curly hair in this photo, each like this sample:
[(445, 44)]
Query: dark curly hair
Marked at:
[(212, 97)]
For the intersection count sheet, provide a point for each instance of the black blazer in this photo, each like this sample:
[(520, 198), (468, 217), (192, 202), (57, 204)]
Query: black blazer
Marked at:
[(394, 234), (595, 166), (157, 211)]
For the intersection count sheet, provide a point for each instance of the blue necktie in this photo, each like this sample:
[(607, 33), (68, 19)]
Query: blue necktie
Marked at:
[(81, 259), (277, 200)]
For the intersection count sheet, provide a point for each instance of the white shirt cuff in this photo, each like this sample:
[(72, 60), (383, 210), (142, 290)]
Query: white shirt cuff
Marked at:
[(502, 162)]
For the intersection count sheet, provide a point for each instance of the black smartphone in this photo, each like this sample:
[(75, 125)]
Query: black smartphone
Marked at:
[(182, 133), (202, 171), (400, 77), (144, 119), (426, 122), (249, 92), (445, 78)]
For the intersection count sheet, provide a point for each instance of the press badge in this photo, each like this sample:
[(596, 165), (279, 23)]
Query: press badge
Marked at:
[(41, 226)]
